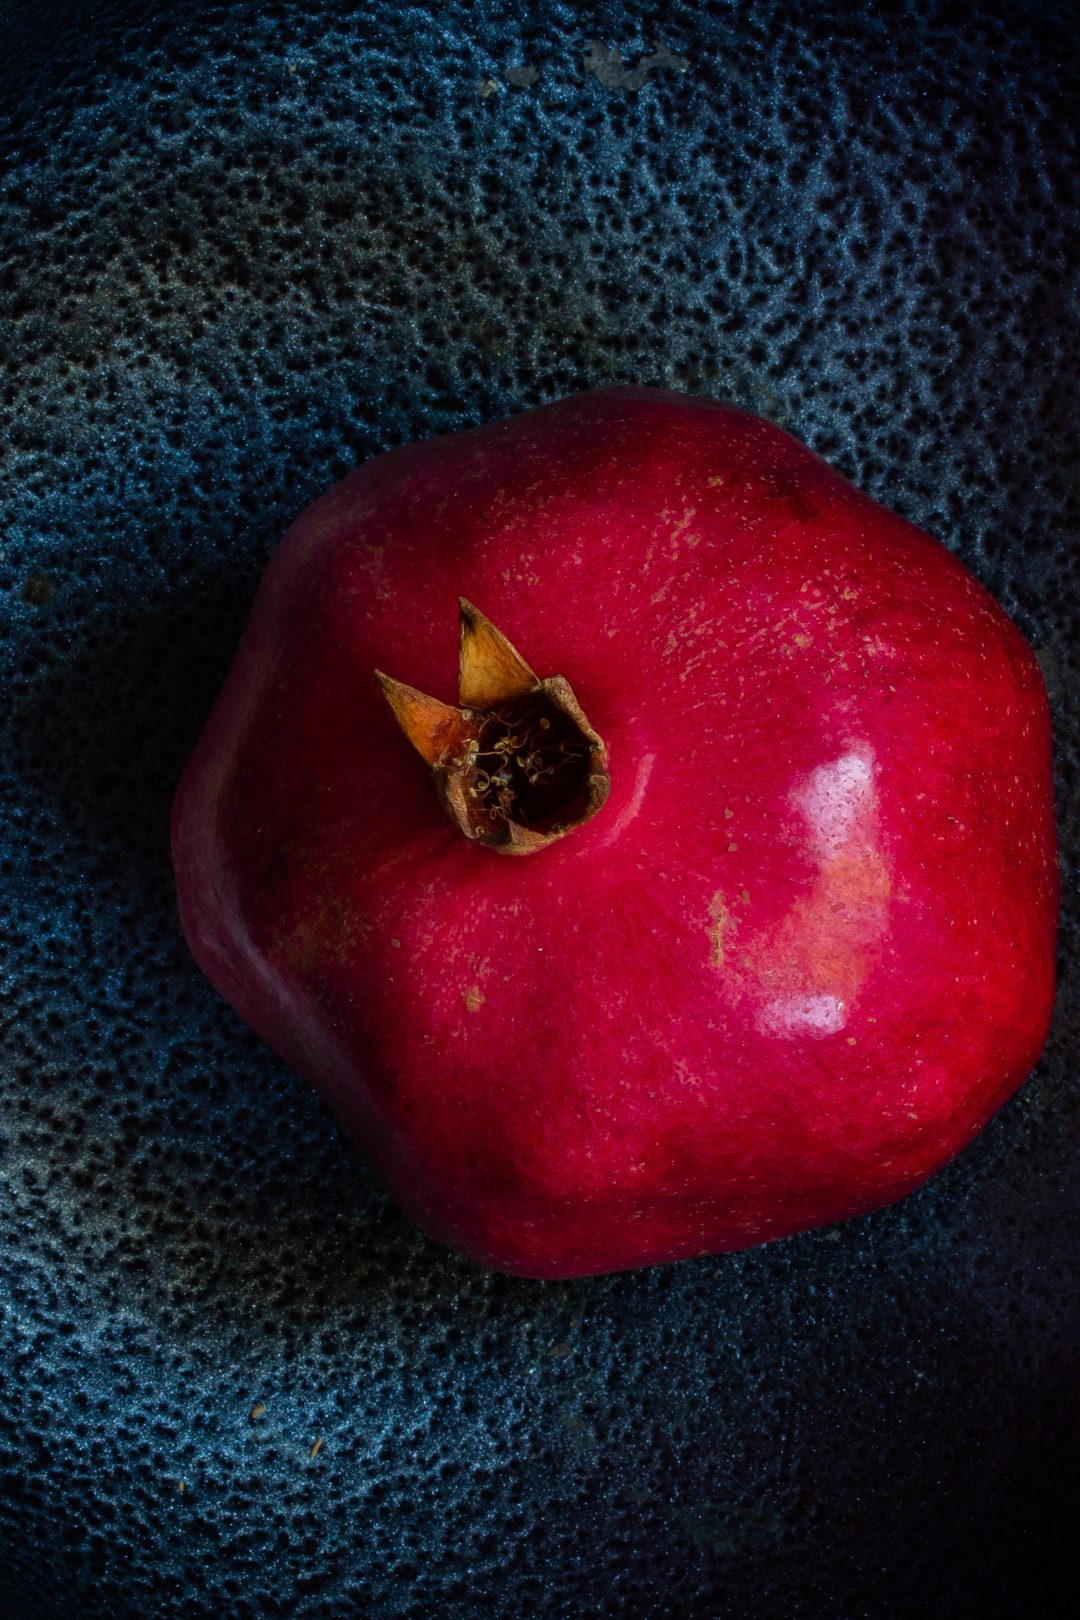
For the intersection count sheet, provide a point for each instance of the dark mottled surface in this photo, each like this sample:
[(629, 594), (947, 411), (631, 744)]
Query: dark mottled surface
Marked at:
[(242, 246)]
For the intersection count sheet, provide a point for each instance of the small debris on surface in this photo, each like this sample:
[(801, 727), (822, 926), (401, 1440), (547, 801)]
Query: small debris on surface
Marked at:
[(608, 66), (707, 1525), (1051, 673), (581, 1433), (487, 87), (521, 77), (256, 1412), (39, 589), (317, 1447)]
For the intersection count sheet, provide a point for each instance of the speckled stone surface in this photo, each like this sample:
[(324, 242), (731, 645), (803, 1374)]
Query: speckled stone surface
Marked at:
[(242, 247)]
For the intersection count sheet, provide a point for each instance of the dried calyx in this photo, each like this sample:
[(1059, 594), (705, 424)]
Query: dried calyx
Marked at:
[(517, 765)]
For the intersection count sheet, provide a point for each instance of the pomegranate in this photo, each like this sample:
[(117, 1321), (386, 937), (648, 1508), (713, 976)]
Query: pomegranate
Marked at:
[(711, 898)]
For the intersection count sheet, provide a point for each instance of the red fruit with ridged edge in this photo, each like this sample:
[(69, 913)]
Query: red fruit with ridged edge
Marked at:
[(752, 931)]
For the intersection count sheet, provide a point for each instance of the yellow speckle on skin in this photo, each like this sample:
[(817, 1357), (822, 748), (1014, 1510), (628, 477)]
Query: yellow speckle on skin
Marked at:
[(473, 998), (728, 814), (720, 923), (396, 944)]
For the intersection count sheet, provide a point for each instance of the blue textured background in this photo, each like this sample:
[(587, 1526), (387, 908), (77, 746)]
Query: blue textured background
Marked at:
[(241, 247)]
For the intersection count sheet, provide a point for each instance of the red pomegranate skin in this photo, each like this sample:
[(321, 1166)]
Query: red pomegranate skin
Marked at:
[(793, 965)]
